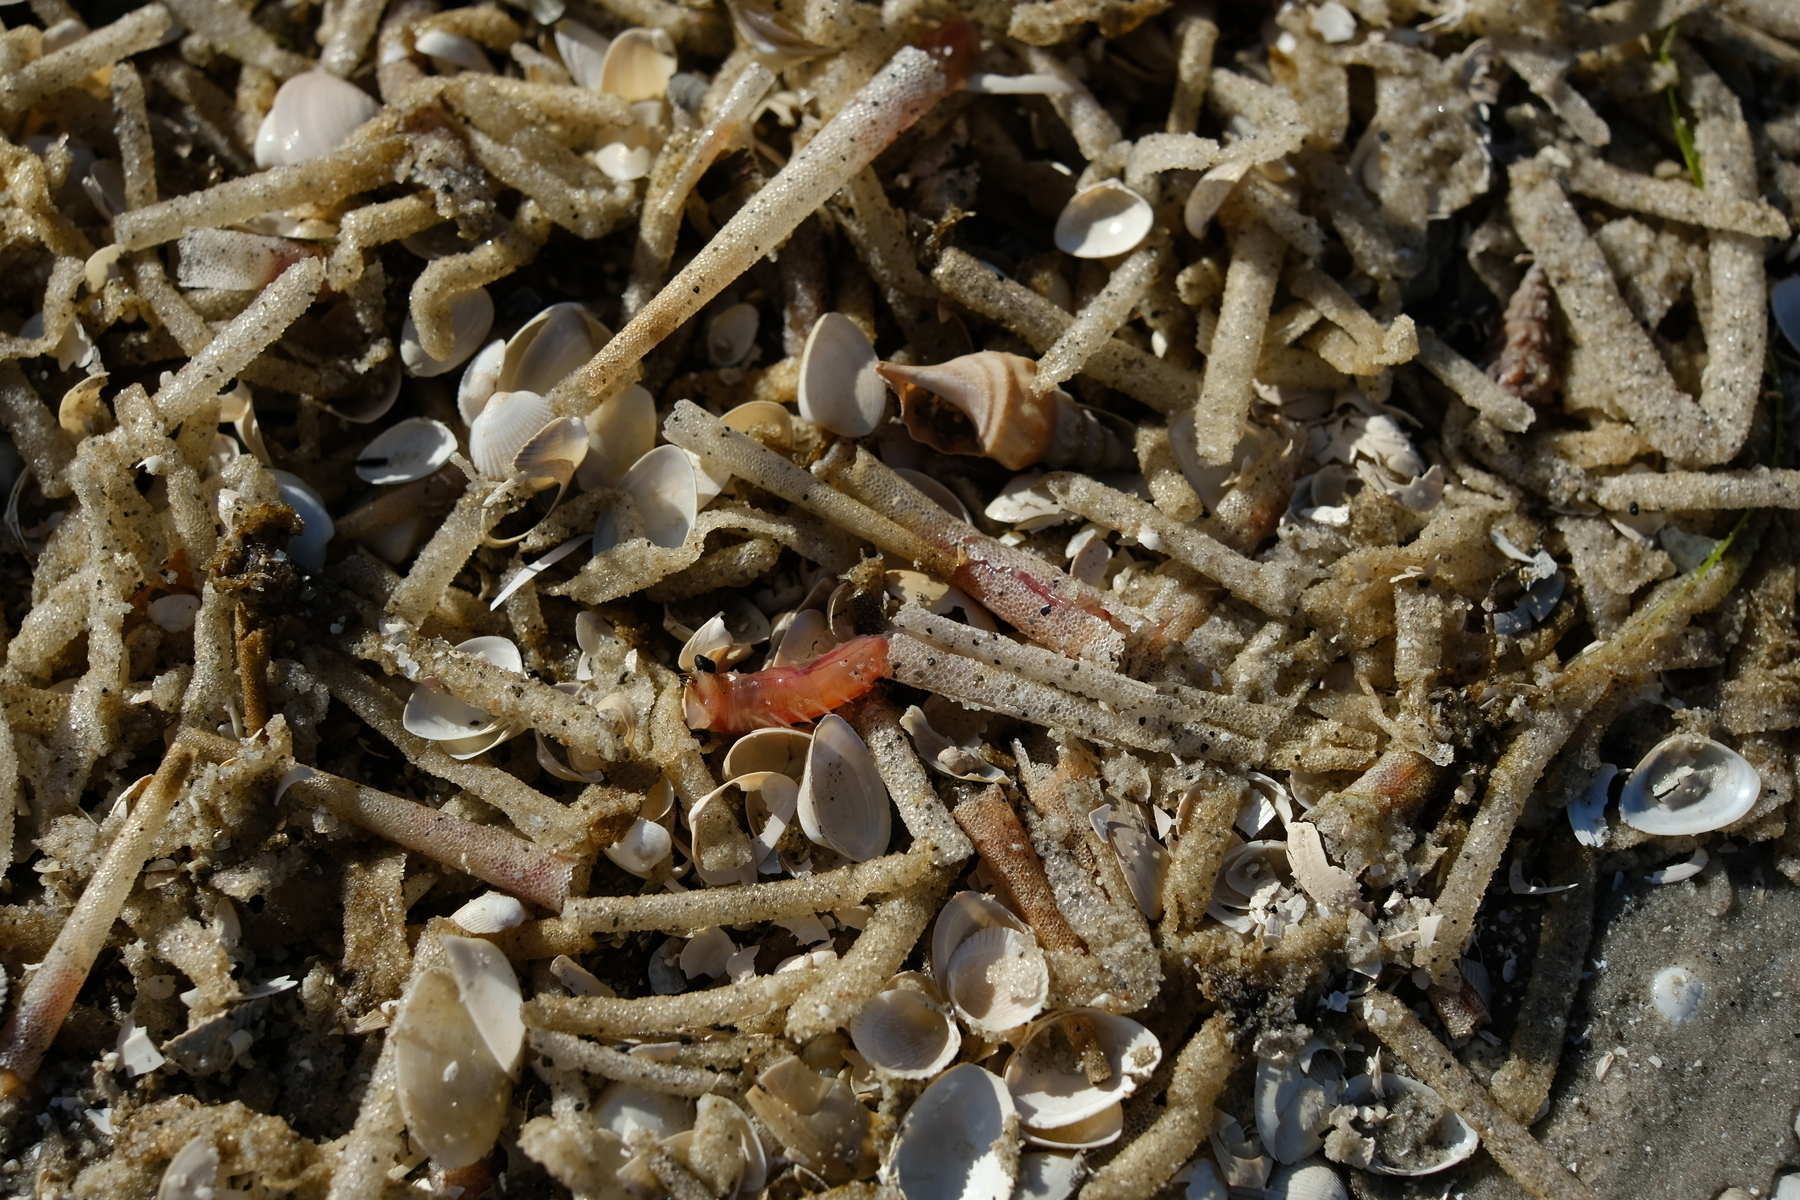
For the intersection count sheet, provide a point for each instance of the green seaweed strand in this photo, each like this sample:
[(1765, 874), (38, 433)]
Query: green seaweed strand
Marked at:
[(1684, 131)]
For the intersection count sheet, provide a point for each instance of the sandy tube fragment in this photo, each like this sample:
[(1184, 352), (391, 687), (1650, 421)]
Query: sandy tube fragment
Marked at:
[(1636, 378), (683, 912), (870, 962), (572, 1053), (248, 335), (1472, 384), (904, 776), (1256, 253), (1522, 1084), (1146, 378), (1532, 1167), (356, 167), (596, 1015), (1759, 487), (1674, 199), (32, 426), (1141, 1169), (1098, 319), (66, 68)]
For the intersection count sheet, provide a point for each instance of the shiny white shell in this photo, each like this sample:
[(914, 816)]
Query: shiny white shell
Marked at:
[(1045, 1078), (1677, 993), (997, 979), (312, 115), (638, 64), (664, 487), (408, 450), (946, 1148), (1103, 220), (1689, 784), (903, 1033), (843, 802), (839, 389)]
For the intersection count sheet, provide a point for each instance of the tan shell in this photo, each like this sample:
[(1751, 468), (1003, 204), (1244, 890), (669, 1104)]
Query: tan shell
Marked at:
[(843, 802), (903, 1033), (817, 1120), (781, 750), (453, 1093), (983, 404)]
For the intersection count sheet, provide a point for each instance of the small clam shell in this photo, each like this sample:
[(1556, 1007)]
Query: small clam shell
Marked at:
[(766, 421), (505, 425), (1208, 194), (490, 992), (712, 641), (807, 637), (770, 34), (664, 487), (583, 52), (551, 346), (1089, 1133), (1448, 1141), (1689, 784), (82, 413), (779, 750), (839, 389), (551, 456), (1024, 504), (624, 163), (731, 334), (1103, 220), (450, 53), (904, 1034), (314, 112), (307, 550), (490, 912), (638, 64), (631, 1111), (951, 1145), (843, 802), (644, 845), (1143, 859), (453, 1093), (1045, 1075), (997, 979), (1294, 1098), (962, 916), (1089, 554), (408, 450), (1784, 300), (723, 853), (437, 716), (770, 799), (480, 379), (943, 755), (620, 432), (174, 613), (471, 317), (1306, 1181), (1676, 992), (817, 1120), (1050, 1176)]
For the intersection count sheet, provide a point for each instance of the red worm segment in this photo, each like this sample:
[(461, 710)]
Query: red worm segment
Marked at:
[(781, 696)]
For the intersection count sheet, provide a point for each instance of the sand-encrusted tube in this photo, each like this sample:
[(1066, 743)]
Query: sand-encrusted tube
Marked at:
[(899, 94), (1532, 1166), (1472, 384), (569, 1051), (1142, 1168), (877, 953), (1522, 1084), (1098, 319), (248, 335), (51, 990), (1758, 487), (669, 1014), (1256, 253), (66, 68), (904, 776)]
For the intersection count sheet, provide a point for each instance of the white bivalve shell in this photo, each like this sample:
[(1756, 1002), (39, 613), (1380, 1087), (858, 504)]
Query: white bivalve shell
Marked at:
[(1103, 220), (450, 53), (408, 450), (471, 319), (1050, 1176), (1045, 1076), (314, 112), (505, 426), (997, 979), (1089, 1133), (665, 488), (1676, 992), (632, 1110), (490, 912), (461, 730), (1436, 1137), (550, 347), (621, 430), (583, 52), (453, 1093), (1245, 871), (1689, 784), (816, 1118), (193, 1174), (308, 549), (843, 802), (638, 64), (1294, 1100), (779, 750), (903, 1033), (839, 389), (1306, 1181), (950, 1146), (175, 612), (731, 335)]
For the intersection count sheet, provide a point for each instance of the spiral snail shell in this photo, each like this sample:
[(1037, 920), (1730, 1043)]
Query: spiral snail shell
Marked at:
[(983, 404)]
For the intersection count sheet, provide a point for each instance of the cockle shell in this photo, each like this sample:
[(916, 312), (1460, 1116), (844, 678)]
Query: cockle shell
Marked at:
[(839, 388), (314, 112), (816, 1118), (903, 1033), (506, 424), (1689, 784), (550, 347), (983, 404), (1045, 1076), (843, 801), (471, 318), (1103, 220), (408, 450), (951, 1145), (1306, 1181), (764, 420), (490, 912), (638, 64), (960, 918), (997, 979), (550, 457)]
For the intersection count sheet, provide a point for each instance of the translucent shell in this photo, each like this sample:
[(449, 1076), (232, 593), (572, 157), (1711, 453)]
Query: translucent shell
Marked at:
[(1689, 784), (665, 488), (453, 1093), (839, 389), (408, 450), (843, 802), (638, 64)]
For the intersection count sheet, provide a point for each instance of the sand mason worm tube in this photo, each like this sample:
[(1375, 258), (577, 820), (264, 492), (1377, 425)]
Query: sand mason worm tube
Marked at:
[(916, 78)]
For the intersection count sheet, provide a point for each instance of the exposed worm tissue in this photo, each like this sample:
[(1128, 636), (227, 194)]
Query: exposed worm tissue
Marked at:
[(743, 599)]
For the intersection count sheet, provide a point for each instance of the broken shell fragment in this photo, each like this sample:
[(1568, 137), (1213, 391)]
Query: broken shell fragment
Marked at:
[(984, 404), (1046, 1076), (450, 53), (943, 755), (313, 114), (764, 420), (817, 1120), (779, 750), (1103, 220), (316, 528), (638, 64), (903, 1033), (1689, 784), (1306, 1181), (843, 802), (731, 335), (490, 993), (839, 388), (174, 613), (583, 51), (408, 450), (193, 1173), (471, 317), (1676, 992), (1420, 1134), (997, 979), (1089, 1133), (453, 1093), (952, 1144), (550, 457), (620, 432)]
